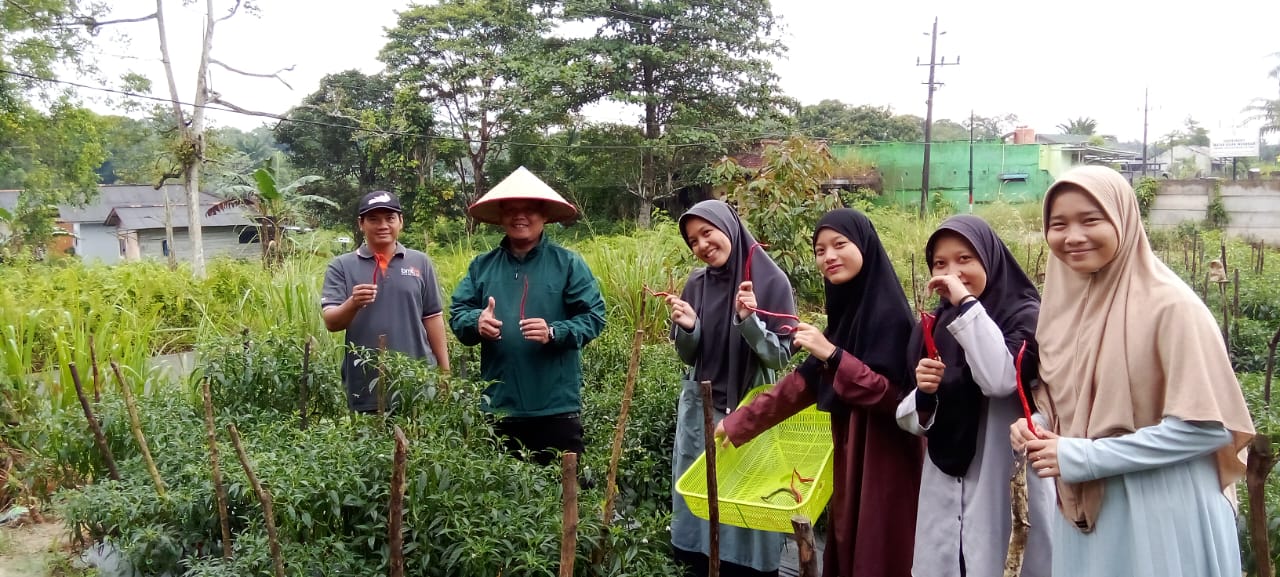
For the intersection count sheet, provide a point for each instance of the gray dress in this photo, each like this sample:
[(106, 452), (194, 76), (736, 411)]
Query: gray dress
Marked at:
[(1163, 514), (972, 513), (759, 550)]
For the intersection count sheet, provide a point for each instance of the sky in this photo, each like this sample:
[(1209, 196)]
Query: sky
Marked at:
[(1046, 62)]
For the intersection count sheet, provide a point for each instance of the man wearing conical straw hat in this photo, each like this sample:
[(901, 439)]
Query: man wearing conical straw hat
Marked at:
[(531, 305)]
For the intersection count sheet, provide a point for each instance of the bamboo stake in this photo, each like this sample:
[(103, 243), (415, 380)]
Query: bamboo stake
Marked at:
[(97, 376), (303, 388), (98, 438), (395, 515), (264, 497), (135, 425), (569, 526), (219, 490), (628, 390), (805, 545), (713, 493), (1021, 518)]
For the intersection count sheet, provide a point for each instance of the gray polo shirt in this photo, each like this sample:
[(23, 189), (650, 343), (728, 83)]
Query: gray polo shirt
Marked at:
[(408, 293)]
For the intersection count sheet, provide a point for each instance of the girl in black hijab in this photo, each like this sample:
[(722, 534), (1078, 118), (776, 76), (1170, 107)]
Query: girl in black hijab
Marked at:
[(856, 371), (732, 326), (965, 399)]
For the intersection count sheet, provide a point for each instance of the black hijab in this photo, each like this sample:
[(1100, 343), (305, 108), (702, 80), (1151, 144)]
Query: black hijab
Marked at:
[(724, 358), (867, 317), (1012, 301)]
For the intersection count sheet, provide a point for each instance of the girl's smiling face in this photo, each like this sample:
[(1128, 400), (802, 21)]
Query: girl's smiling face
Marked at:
[(837, 257), (1078, 231), (708, 243)]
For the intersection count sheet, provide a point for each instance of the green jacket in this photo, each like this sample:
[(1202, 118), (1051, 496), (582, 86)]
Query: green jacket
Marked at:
[(552, 283)]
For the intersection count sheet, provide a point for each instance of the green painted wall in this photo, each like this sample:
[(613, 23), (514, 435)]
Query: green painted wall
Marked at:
[(900, 163)]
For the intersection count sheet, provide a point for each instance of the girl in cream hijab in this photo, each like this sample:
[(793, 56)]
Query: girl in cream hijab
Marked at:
[(1144, 419)]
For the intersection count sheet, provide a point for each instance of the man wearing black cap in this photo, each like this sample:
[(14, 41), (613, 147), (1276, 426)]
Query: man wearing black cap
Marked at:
[(383, 289)]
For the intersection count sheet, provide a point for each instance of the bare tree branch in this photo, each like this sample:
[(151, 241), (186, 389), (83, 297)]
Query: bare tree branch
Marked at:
[(275, 74), (93, 25), (232, 12), (217, 99)]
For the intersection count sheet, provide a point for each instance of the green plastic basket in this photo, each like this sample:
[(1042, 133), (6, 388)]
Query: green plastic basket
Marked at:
[(754, 481)]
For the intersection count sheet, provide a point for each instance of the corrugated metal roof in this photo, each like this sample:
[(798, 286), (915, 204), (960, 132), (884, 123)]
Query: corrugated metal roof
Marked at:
[(149, 217), (115, 196)]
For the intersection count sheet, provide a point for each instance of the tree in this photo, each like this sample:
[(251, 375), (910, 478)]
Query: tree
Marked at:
[(1267, 110), (485, 65), (779, 202), (1083, 126), (701, 72), (273, 206), (49, 145), (991, 127), (947, 130), (360, 132), (839, 122), (582, 162)]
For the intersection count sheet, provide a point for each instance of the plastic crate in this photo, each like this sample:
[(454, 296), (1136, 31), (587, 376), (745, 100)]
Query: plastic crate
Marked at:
[(754, 481)]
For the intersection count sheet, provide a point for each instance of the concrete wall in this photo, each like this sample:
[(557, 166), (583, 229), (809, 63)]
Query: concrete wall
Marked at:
[(1253, 206), (219, 241), (98, 243), (900, 163)]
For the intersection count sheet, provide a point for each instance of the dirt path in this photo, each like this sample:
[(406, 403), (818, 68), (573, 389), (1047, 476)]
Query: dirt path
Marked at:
[(29, 550)]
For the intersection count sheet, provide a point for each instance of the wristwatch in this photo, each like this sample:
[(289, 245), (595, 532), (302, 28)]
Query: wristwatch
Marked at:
[(551, 333)]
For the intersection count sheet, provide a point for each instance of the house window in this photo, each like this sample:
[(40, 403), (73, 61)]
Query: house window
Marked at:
[(1014, 177), (249, 235)]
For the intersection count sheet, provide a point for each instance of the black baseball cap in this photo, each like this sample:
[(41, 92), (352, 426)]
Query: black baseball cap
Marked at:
[(378, 199)]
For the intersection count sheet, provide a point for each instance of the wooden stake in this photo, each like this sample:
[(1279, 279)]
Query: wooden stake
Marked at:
[(135, 425), (305, 385), (93, 365), (713, 493), (1021, 518), (1261, 459), (395, 514), (1235, 300), (98, 438), (619, 431), (569, 525), (219, 490), (269, 516), (805, 545)]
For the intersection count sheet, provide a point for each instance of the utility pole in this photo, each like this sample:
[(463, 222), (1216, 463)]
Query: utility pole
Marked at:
[(1145, 101), (928, 119)]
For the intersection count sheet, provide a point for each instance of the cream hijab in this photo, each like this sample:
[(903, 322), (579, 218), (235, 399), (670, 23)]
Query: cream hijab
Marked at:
[(1128, 345)]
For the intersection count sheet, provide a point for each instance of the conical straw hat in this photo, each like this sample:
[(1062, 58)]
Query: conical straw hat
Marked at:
[(521, 185)]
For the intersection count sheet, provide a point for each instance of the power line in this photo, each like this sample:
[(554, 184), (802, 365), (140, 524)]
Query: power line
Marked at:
[(388, 132)]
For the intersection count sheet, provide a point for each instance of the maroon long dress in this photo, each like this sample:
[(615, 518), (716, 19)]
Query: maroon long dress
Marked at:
[(877, 468)]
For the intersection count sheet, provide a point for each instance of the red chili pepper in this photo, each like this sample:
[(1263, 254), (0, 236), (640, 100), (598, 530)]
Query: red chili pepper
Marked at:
[(659, 294), (927, 322), (1022, 395), (382, 261)]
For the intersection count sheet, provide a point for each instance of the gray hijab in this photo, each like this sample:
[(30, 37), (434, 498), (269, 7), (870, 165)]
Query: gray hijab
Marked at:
[(724, 358)]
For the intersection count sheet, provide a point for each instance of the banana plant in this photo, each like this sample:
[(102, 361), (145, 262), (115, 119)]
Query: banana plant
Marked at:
[(273, 206)]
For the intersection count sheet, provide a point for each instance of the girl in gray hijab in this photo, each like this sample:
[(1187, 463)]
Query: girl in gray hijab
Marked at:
[(731, 324)]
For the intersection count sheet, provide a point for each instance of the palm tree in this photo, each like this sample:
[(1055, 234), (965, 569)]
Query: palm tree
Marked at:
[(273, 206), (1083, 126)]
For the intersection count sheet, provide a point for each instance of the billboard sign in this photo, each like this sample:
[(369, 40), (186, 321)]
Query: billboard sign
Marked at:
[(1234, 147)]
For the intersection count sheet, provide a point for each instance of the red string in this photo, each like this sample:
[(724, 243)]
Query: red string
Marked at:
[(524, 296), (746, 277), (1022, 395)]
